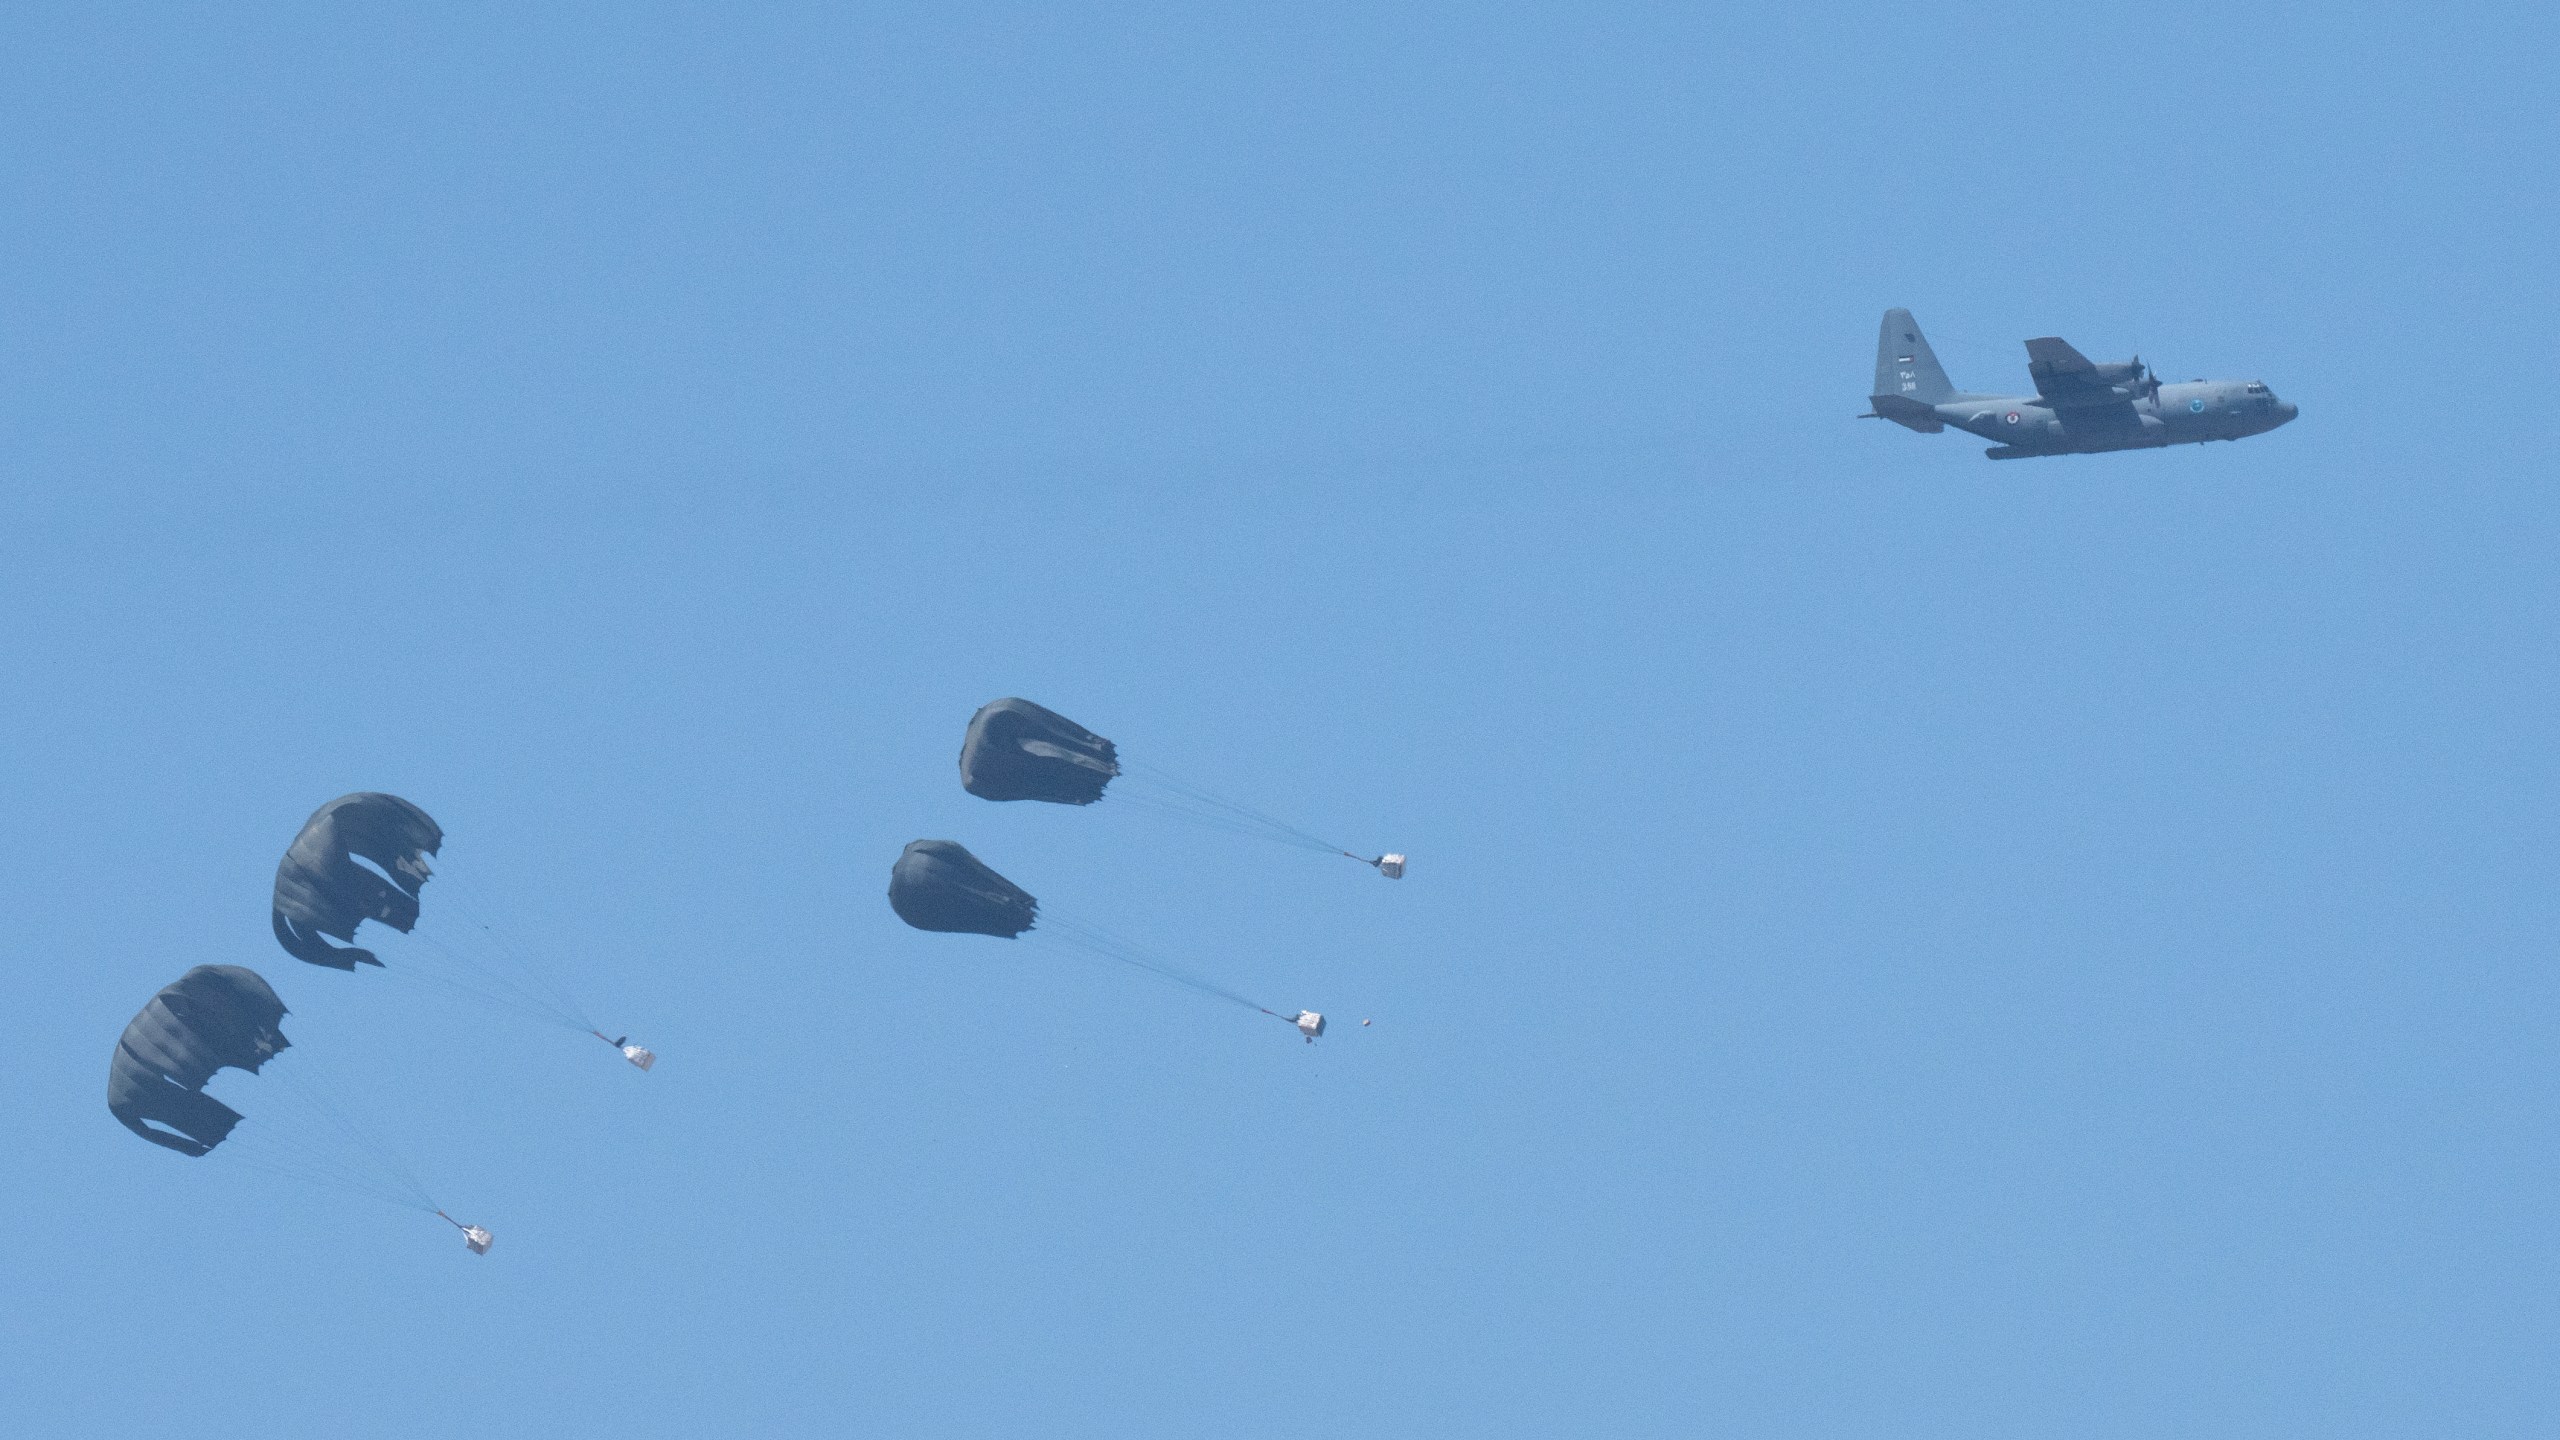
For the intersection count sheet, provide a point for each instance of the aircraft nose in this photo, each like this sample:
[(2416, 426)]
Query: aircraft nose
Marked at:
[(2285, 411)]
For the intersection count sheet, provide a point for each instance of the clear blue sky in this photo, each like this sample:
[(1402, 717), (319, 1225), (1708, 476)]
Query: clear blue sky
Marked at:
[(1896, 945)]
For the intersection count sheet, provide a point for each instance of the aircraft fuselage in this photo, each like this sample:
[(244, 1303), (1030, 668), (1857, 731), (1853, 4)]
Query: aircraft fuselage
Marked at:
[(2182, 414)]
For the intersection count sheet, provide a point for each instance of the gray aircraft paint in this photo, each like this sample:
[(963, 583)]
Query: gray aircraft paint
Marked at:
[(2079, 408)]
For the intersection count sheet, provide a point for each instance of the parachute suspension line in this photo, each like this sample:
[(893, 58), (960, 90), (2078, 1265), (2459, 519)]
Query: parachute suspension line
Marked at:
[(315, 1175), (492, 988), (533, 977), (283, 1145), (1206, 819), (487, 992), (375, 1167), (493, 999), (1235, 825), (526, 976), (562, 998), (1166, 793), (318, 1160), (1108, 946), (390, 1167), (1183, 791), (252, 1144), (469, 977), (490, 975)]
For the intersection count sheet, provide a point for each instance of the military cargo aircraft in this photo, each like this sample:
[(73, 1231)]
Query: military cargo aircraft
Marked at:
[(2079, 408)]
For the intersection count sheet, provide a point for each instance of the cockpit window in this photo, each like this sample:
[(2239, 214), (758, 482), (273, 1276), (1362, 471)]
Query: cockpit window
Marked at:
[(2257, 389)]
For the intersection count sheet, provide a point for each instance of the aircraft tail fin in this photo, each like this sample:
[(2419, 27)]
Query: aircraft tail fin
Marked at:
[(1906, 366)]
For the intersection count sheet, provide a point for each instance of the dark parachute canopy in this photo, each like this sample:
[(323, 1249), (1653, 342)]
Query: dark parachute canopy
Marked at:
[(322, 891), (1016, 750), (210, 1017), (364, 857), (1020, 751), (938, 885)]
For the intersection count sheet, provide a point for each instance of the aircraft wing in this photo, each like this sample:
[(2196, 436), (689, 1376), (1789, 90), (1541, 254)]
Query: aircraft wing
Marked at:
[(2064, 376)]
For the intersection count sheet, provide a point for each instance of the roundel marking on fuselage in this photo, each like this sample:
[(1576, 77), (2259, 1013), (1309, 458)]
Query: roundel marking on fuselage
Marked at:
[(2195, 406), (2011, 417)]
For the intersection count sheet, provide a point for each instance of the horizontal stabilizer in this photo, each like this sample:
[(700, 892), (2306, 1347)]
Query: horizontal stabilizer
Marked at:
[(1904, 411)]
